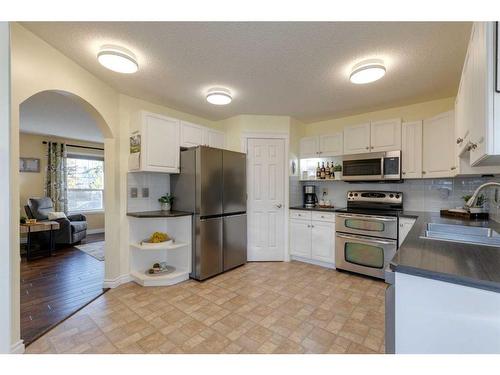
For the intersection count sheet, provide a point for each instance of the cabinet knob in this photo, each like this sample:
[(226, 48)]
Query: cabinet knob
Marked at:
[(459, 140), (453, 168), (404, 172), (367, 147), (424, 172)]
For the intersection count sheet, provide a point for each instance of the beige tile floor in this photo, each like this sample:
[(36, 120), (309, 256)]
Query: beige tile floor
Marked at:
[(258, 308)]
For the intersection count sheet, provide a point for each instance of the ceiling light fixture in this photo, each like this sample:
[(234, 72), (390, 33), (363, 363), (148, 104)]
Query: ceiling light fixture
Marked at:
[(117, 59), (367, 71), (219, 96)]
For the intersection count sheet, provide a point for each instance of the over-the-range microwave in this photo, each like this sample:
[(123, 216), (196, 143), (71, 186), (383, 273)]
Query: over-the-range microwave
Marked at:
[(374, 166)]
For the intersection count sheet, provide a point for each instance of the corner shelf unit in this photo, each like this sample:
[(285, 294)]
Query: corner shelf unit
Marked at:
[(173, 246), (177, 254), (172, 278)]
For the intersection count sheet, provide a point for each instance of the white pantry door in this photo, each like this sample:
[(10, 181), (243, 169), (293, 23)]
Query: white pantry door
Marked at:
[(265, 205)]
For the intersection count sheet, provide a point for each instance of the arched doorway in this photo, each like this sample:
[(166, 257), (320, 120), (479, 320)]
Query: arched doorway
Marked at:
[(55, 287)]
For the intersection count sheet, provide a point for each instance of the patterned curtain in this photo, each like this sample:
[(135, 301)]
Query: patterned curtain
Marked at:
[(55, 181)]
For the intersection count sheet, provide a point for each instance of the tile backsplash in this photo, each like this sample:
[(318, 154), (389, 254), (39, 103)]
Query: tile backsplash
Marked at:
[(419, 195), (158, 185)]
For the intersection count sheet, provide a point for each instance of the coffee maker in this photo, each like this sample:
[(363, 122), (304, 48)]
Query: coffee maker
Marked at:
[(310, 197)]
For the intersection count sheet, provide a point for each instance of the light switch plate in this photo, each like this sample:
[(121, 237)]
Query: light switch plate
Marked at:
[(133, 192), (145, 192)]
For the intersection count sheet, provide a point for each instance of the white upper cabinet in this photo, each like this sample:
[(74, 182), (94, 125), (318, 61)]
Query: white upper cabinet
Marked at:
[(158, 138), (309, 147), (439, 146), (411, 149), (321, 146), (192, 134), (477, 103), (331, 144), (373, 137), (385, 135), (357, 139), (215, 138), (196, 135)]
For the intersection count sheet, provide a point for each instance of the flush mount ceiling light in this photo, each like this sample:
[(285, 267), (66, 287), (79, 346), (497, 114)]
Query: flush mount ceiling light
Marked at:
[(117, 59), (367, 71), (219, 96)]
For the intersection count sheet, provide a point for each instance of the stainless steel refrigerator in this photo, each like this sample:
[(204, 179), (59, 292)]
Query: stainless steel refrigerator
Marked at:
[(212, 184)]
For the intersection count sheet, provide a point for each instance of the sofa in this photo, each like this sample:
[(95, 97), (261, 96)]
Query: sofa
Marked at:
[(72, 229)]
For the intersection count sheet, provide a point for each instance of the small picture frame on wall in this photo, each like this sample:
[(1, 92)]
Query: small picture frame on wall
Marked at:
[(29, 165)]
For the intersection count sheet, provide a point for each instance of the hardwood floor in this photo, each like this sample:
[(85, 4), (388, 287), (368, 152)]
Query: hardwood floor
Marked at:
[(54, 288)]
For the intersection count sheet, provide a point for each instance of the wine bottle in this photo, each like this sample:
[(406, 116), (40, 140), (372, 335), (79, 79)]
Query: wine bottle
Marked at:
[(327, 171), (322, 171), (318, 172)]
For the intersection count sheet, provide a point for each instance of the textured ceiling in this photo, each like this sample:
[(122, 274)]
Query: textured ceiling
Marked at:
[(288, 68), (53, 113)]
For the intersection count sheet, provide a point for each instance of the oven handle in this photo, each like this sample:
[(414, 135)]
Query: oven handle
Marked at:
[(363, 238), (379, 218)]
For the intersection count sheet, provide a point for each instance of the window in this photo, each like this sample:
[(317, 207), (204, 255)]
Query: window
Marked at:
[(85, 183)]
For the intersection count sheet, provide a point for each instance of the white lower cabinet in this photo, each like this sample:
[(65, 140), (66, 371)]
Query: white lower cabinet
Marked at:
[(405, 225), (300, 238), (312, 237)]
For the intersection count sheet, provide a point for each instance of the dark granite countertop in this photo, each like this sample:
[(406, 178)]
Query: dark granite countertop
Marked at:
[(302, 208), (471, 265), (159, 214)]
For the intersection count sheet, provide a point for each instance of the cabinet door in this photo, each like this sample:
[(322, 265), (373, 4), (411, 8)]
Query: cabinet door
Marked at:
[(405, 225), (215, 138), (479, 119), (161, 146), (191, 134), (323, 241), (385, 135), (439, 146), (300, 238), (309, 147), (331, 144), (357, 139), (411, 149)]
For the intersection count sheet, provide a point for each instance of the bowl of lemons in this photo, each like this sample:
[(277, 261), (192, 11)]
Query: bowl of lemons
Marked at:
[(157, 240)]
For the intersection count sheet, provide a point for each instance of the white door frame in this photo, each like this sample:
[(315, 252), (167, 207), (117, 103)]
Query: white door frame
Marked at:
[(5, 195), (245, 136)]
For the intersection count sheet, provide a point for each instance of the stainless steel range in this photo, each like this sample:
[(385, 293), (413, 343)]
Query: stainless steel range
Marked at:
[(367, 231)]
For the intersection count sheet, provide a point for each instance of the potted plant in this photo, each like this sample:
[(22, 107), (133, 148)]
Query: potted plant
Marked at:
[(479, 206), (166, 202), (337, 170)]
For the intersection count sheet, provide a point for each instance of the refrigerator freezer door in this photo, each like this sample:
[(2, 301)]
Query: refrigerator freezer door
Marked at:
[(183, 185), (234, 241), (208, 250), (209, 181), (235, 182)]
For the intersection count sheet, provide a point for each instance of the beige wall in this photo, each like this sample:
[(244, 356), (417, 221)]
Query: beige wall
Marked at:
[(32, 184), (236, 126), (418, 111)]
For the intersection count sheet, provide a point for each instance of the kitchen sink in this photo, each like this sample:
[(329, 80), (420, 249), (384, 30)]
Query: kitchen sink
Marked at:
[(462, 234)]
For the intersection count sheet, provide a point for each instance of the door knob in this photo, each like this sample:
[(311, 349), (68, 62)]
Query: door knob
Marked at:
[(279, 205)]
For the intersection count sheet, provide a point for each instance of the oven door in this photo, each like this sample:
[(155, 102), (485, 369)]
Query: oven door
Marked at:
[(365, 255), (368, 225)]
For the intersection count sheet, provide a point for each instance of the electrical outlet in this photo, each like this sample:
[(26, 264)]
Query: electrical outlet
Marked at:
[(133, 192), (324, 191)]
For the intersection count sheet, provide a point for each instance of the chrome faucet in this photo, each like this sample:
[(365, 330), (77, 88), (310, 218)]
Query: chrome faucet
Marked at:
[(472, 200)]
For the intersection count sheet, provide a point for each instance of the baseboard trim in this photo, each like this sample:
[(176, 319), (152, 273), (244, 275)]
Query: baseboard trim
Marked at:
[(116, 282), (17, 348), (313, 261), (94, 231)]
